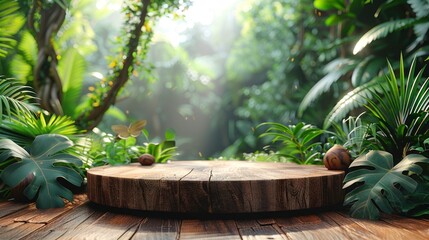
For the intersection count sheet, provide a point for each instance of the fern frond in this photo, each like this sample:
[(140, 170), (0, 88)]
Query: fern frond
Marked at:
[(335, 69), (352, 100), (382, 30), (14, 97), (420, 7)]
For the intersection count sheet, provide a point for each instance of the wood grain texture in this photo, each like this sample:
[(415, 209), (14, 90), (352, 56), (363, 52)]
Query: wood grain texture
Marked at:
[(90, 221), (215, 187)]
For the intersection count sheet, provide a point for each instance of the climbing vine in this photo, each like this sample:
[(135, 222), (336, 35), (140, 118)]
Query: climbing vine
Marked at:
[(140, 15)]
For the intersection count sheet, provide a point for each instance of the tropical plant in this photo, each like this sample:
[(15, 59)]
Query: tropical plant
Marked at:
[(23, 128), (124, 147), (354, 135), (376, 184), (297, 142), (45, 162), (14, 98), (374, 30), (401, 110), (11, 22)]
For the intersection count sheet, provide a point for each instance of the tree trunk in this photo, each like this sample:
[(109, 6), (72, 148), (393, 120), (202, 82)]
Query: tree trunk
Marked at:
[(47, 82), (94, 117)]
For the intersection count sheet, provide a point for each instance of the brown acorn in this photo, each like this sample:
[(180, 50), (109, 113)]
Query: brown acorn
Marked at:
[(337, 158), (146, 159)]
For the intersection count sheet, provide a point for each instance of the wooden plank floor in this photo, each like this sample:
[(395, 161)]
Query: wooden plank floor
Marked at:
[(85, 220)]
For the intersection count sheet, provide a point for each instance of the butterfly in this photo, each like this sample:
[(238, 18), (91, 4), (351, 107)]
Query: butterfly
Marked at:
[(133, 130)]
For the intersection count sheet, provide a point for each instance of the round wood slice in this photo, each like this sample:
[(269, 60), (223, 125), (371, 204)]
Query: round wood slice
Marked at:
[(215, 186)]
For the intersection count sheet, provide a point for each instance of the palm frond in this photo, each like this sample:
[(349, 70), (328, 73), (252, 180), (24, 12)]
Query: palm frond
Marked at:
[(10, 23), (14, 97), (367, 70), (23, 128), (382, 30), (352, 100), (335, 70), (420, 7)]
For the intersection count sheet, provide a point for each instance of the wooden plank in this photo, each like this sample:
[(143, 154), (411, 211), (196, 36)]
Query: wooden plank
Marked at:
[(80, 216), (209, 229), (261, 233), (108, 226), (18, 230), (11, 207), (382, 229), (252, 229), (351, 229), (417, 227), (312, 227), (155, 228), (46, 215)]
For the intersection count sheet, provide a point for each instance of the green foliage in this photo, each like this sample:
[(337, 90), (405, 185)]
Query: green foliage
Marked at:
[(335, 70), (23, 128), (379, 185), (162, 151), (22, 64), (71, 70), (401, 110), (11, 22), (375, 31), (352, 100), (381, 31), (46, 161), (114, 150), (296, 141), (354, 135), (14, 98)]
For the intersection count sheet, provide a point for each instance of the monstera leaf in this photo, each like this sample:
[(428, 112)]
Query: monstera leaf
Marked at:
[(379, 185), (47, 163)]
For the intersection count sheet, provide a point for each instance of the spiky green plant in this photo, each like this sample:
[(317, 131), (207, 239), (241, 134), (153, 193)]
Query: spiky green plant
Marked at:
[(401, 110), (297, 142)]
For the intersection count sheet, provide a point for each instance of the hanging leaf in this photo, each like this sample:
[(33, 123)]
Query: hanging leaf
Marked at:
[(382, 30), (71, 69), (335, 70), (47, 163), (352, 100), (378, 185)]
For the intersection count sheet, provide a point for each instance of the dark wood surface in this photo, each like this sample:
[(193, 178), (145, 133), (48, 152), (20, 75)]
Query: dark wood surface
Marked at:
[(215, 187), (86, 220)]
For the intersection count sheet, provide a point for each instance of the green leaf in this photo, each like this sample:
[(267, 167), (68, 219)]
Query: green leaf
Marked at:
[(71, 69), (42, 161), (11, 22), (325, 5), (380, 185), (352, 100), (14, 98), (335, 70), (170, 135), (382, 30)]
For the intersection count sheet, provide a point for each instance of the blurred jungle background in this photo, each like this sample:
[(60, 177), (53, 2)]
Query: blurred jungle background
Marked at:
[(210, 70)]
